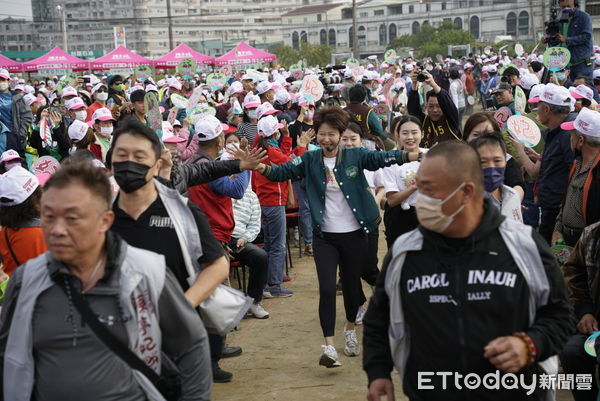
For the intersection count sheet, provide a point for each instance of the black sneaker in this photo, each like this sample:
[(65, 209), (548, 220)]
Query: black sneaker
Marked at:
[(338, 288), (221, 376), (230, 352)]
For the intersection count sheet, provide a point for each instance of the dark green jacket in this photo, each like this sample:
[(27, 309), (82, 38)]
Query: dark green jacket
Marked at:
[(348, 172)]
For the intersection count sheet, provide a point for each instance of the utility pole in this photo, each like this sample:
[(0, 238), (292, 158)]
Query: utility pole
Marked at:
[(170, 22), (354, 34), (63, 22)]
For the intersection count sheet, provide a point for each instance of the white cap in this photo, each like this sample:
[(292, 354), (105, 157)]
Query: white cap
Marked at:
[(408, 68), (9, 155), (208, 127), (263, 87), (582, 92), (268, 125), (235, 87), (98, 86), (28, 89), (535, 93), (348, 73), (77, 130), (102, 114), (492, 68), (176, 123), (69, 91), (265, 109), (19, 88), (556, 95), (16, 185), (30, 99), (528, 80), (282, 96), (587, 123), (161, 82), (4, 73), (75, 103), (174, 83), (596, 74), (151, 88), (251, 100)]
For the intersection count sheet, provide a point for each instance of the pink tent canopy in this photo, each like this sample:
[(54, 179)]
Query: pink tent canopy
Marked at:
[(10, 65), (56, 59), (243, 53), (182, 52), (121, 57)]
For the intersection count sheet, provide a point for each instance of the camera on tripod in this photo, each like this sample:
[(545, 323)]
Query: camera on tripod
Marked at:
[(557, 18)]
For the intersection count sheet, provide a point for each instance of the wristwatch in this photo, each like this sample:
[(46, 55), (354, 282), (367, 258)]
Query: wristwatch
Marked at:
[(420, 157)]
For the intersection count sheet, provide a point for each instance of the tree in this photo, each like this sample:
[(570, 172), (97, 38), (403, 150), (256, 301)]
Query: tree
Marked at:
[(431, 41), (286, 55), (315, 54)]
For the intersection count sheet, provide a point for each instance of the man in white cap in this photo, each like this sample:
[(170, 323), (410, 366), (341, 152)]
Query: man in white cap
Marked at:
[(77, 109), (10, 159), (33, 102), (583, 95), (552, 172), (14, 114), (265, 91), (581, 204), (214, 199)]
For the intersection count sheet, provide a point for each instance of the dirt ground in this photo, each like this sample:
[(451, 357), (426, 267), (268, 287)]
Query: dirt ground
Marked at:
[(281, 354)]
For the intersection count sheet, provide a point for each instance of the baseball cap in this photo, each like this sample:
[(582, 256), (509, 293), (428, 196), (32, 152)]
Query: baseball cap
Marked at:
[(348, 73), (98, 86), (209, 127), (246, 77), (556, 95), (282, 97), (502, 87), (102, 114), (266, 109), (69, 91), (176, 123), (151, 88), (535, 93), (268, 125), (9, 155), (529, 80), (30, 99), (75, 103), (4, 73), (251, 100), (587, 123), (20, 88), (77, 130), (263, 87), (581, 92), (492, 68), (235, 87), (174, 83), (16, 185)]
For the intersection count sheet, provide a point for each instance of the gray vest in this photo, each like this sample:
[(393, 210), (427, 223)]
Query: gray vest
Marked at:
[(523, 250), (141, 272)]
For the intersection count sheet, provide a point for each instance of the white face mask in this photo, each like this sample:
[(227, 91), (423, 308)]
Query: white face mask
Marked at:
[(430, 213), (80, 115), (102, 96), (106, 131), (252, 114), (3, 86)]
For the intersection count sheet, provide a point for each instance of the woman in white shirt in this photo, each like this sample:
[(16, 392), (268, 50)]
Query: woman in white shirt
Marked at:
[(492, 152), (457, 92), (399, 181)]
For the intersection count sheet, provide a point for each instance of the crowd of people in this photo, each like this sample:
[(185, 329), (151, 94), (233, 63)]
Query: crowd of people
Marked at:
[(113, 233)]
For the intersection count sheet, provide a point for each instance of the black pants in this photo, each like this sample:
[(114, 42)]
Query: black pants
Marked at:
[(257, 260), (547, 223), (397, 222), (571, 235), (215, 343), (370, 270), (350, 252), (575, 360)]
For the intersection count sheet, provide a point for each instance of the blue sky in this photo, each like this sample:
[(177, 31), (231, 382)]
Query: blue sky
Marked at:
[(15, 8)]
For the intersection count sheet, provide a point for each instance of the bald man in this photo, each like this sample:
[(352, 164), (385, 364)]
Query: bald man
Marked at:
[(466, 292)]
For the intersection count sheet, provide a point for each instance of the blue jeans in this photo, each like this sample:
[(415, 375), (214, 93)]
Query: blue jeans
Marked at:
[(273, 225), (305, 221)]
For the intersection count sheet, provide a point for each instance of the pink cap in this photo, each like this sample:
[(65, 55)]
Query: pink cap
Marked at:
[(102, 114)]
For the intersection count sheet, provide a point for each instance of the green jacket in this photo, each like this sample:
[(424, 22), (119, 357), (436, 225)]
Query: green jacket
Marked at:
[(348, 172)]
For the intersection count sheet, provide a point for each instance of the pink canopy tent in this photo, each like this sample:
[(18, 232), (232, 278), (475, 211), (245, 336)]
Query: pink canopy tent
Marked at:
[(121, 57), (243, 53), (56, 59), (181, 52), (10, 65)]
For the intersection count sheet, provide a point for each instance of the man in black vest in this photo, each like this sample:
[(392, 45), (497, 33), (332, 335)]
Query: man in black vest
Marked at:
[(369, 122)]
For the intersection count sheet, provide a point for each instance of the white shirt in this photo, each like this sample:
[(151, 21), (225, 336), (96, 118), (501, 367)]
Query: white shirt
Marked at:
[(457, 93), (398, 178), (338, 216), (374, 179)]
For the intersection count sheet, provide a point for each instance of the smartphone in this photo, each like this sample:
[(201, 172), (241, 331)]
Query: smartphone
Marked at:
[(86, 80), (61, 109)]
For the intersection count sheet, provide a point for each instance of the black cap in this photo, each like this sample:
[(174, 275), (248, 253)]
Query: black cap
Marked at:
[(502, 87)]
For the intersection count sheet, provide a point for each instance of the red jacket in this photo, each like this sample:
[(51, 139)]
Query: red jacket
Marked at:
[(275, 193), (217, 208)]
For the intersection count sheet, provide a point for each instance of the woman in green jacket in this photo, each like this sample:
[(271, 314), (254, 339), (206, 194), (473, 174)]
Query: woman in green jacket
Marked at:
[(343, 213)]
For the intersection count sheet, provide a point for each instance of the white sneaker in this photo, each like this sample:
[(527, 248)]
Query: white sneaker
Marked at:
[(258, 311), (267, 294), (329, 358), (351, 346), (360, 315)]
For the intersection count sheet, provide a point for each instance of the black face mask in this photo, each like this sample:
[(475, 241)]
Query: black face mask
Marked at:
[(130, 176)]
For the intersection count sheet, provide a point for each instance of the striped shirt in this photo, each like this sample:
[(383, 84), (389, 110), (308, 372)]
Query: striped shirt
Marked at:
[(246, 212), (248, 131)]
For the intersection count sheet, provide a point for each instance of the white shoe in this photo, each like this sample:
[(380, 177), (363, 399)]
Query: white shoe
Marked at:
[(351, 346), (258, 311), (267, 294), (360, 315), (329, 358)]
